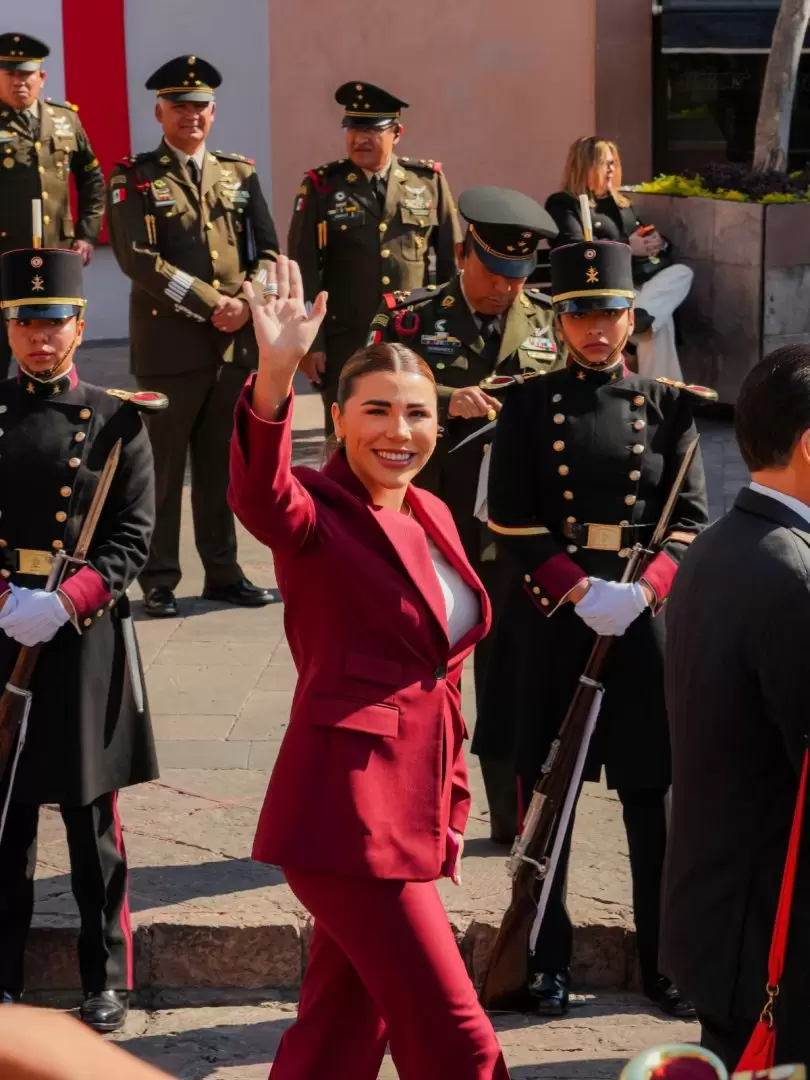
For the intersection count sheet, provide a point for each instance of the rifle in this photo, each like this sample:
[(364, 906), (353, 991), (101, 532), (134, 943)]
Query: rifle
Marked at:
[(536, 851), (15, 703)]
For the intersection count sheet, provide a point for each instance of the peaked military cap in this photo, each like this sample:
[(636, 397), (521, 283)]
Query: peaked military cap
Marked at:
[(507, 228), (368, 106), (594, 275), (185, 78), (41, 283), (20, 52)]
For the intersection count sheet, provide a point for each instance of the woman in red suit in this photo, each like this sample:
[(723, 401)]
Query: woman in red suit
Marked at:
[(368, 800)]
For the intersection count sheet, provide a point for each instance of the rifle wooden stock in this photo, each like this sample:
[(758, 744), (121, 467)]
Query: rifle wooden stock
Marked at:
[(506, 982), (12, 706)]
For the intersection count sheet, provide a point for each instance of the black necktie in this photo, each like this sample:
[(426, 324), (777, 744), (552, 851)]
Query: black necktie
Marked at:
[(30, 123), (490, 332), (380, 186), (193, 172)]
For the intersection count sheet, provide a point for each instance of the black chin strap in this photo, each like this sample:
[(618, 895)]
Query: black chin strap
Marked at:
[(585, 361), (64, 363)]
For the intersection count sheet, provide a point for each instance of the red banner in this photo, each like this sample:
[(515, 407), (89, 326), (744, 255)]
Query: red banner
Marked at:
[(96, 76)]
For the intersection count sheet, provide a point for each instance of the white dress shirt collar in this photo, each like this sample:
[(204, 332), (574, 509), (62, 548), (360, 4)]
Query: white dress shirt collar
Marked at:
[(183, 158), (796, 505)]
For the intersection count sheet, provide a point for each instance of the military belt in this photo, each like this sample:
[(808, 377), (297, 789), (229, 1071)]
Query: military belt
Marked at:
[(25, 561), (594, 537)]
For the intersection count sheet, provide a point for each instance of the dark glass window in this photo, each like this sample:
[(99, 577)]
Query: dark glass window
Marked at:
[(710, 63)]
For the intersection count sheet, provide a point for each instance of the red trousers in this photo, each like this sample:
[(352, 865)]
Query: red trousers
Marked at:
[(384, 969)]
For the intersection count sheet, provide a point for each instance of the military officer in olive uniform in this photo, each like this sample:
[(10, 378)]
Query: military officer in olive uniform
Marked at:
[(188, 226), (42, 143), (365, 225), (583, 462), (89, 732), (478, 332)]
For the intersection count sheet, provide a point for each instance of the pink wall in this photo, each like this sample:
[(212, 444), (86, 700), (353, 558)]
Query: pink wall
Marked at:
[(497, 90), (624, 82)]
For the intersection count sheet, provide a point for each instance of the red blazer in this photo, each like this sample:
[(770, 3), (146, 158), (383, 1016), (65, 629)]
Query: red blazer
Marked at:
[(371, 769)]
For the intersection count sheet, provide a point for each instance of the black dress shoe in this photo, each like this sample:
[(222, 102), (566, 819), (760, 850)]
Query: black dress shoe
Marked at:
[(105, 1010), (668, 998), (241, 593), (10, 997), (549, 993), (160, 602)]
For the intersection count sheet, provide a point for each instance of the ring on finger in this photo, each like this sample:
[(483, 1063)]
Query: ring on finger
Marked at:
[(270, 289)]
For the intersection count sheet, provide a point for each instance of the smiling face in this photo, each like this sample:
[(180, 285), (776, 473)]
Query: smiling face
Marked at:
[(597, 337), (371, 148), (389, 428), (45, 347), (186, 124)]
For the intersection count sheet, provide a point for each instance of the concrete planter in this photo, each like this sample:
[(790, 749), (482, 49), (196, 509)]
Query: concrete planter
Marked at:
[(752, 281)]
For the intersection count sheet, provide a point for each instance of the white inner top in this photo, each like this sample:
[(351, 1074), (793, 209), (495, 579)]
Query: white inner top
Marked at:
[(461, 602)]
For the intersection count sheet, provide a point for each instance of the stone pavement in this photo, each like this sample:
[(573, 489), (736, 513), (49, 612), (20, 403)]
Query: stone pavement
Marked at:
[(592, 1043), (220, 682)]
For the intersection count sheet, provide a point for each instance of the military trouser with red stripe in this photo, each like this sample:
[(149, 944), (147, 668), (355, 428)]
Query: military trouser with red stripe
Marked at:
[(98, 874)]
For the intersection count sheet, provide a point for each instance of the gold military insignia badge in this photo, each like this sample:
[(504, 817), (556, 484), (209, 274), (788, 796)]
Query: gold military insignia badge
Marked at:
[(448, 302), (592, 277)]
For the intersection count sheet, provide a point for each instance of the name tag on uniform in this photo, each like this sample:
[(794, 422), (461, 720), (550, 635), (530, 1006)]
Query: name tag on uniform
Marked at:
[(162, 193), (7, 136)]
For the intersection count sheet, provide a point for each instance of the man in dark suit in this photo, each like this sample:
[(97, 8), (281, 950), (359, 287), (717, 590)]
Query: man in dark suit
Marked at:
[(738, 624)]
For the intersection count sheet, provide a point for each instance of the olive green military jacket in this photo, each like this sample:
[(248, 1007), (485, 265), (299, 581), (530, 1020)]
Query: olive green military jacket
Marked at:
[(184, 249), (439, 325), (38, 165), (346, 243)]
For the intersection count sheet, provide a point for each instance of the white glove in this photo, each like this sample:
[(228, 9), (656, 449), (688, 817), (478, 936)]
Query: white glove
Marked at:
[(609, 607), (36, 617)]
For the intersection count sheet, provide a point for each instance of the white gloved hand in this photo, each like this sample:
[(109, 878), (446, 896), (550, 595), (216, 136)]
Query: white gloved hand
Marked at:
[(36, 617), (609, 607)]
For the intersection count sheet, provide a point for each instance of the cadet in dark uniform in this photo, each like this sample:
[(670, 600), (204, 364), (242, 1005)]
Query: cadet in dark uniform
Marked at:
[(89, 729), (484, 324), (42, 144), (188, 226), (365, 225), (582, 464)]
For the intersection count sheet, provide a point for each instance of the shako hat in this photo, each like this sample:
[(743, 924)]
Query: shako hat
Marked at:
[(593, 275), (41, 283)]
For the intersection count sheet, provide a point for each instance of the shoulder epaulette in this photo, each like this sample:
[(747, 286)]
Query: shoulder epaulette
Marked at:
[(144, 400), (62, 105), (538, 296), (423, 163), (319, 176), (136, 159), (702, 392), (402, 298), (233, 157)]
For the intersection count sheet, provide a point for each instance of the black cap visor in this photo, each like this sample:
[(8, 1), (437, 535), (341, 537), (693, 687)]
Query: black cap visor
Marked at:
[(43, 311), (579, 305)]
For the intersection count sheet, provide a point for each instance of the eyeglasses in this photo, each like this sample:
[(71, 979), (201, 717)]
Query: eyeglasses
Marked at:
[(371, 133)]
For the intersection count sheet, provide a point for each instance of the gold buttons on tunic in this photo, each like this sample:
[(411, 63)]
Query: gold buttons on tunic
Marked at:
[(99, 613), (572, 549), (441, 367), (57, 545), (630, 500), (42, 168), (527, 578), (85, 414), (536, 590), (383, 227), (559, 446), (568, 495), (558, 418), (5, 573), (37, 145), (638, 425), (44, 194), (635, 475), (3, 543), (65, 492), (214, 254), (385, 253), (215, 284), (74, 463), (61, 515), (571, 520), (46, 219), (386, 280), (544, 601), (88, 622), (154, 311), (563, 470), (556, 397), (638, 399), (638, 448), (80, 436)]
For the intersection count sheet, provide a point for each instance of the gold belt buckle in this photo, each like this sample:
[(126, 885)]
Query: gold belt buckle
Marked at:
[(37, 563), (604, 537)]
